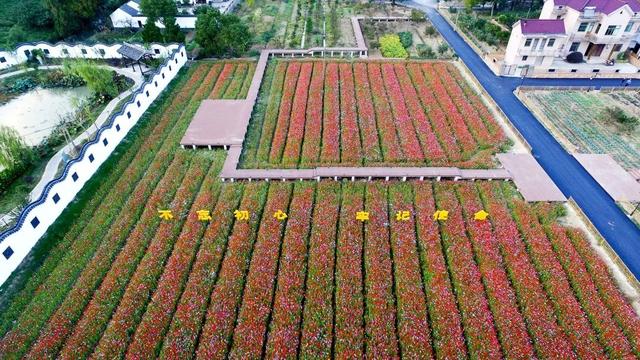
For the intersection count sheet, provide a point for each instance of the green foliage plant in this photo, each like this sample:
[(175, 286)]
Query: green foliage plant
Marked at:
[(391, 47), (406, 39)]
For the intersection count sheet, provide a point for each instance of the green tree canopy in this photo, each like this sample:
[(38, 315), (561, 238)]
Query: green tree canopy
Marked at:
[(165, 11), (222, 34), (99, 80), (13, 149), (390, 46), (69, 16)]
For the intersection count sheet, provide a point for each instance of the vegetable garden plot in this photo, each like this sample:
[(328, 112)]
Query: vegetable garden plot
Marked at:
[(273, 269), (317, 113), (575, 115)]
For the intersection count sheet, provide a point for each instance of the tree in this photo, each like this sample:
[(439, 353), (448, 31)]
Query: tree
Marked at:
[(172, 32), (70, 16), (165, 11), (151, 32), (390, 46), (15, 35), (13, 149), (220, 34), (99, 80), (15, 156)]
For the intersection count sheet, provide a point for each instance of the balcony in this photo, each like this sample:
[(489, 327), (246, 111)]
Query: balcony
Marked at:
[(620, 38)]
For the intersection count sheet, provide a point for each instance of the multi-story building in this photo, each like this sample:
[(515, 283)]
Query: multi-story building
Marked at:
[(598, 29), (129, 14)]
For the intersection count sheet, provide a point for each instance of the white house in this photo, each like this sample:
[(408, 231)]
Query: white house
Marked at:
[(598, 29), (130, 16)]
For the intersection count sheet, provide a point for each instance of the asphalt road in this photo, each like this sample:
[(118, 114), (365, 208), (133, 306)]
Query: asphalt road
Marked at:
[(572, 179)]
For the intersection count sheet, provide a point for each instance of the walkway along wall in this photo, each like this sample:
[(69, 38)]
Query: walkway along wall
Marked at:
[(35, 219)]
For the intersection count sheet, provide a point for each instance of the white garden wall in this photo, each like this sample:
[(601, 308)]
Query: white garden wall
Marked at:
[(64, 50), (34, 220)]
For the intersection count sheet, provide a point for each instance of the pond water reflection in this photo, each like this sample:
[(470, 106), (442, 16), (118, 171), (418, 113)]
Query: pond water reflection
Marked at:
[(35, 113)]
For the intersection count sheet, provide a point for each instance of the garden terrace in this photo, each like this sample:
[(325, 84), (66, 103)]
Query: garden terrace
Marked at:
[(319, 113), (115, 280)]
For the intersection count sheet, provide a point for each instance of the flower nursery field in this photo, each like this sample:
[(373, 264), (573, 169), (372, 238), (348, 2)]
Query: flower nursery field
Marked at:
[(112, 279), (313, 113), (574, 115)]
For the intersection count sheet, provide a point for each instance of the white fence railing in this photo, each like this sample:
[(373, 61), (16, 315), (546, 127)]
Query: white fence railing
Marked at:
[(17, 242)]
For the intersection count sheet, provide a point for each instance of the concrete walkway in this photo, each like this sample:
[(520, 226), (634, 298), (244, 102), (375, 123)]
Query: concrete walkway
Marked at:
[(572, 179)]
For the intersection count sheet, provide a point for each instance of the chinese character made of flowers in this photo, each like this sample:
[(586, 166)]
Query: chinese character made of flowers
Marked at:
[(362, 216), (441, 215), (403, 215), (280, 215), (165, 214), (204, 215), (241, 214)]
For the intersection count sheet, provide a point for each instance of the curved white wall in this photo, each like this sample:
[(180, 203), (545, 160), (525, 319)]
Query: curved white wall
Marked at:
[(34, 220), (74, 51)]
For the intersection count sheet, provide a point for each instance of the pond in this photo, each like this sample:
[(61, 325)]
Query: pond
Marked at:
[(35, 113)]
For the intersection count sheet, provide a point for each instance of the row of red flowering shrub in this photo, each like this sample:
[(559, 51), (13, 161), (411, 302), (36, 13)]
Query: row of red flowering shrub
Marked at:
[(370, 113), (84, 244)]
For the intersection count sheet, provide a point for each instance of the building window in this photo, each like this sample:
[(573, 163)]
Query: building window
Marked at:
[(74, 177), (157, 51), (140, 23), (65, 51), (46, 51), (27, 53), (574, 46), (147, 93), (527, 43), (101, 51), (138, 103), (118, 127), (629, 26), (2, 60), (583, 27), (551, 42), (612, 30), (56, 198), (524, 58), (35, 222), (617, 47), (105, 142), (91, 158), (84, 51), (7, 252), (128, 114)]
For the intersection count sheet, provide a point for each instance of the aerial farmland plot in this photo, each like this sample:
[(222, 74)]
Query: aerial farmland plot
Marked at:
[(371, 114), (344, 269), (583, 123)]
